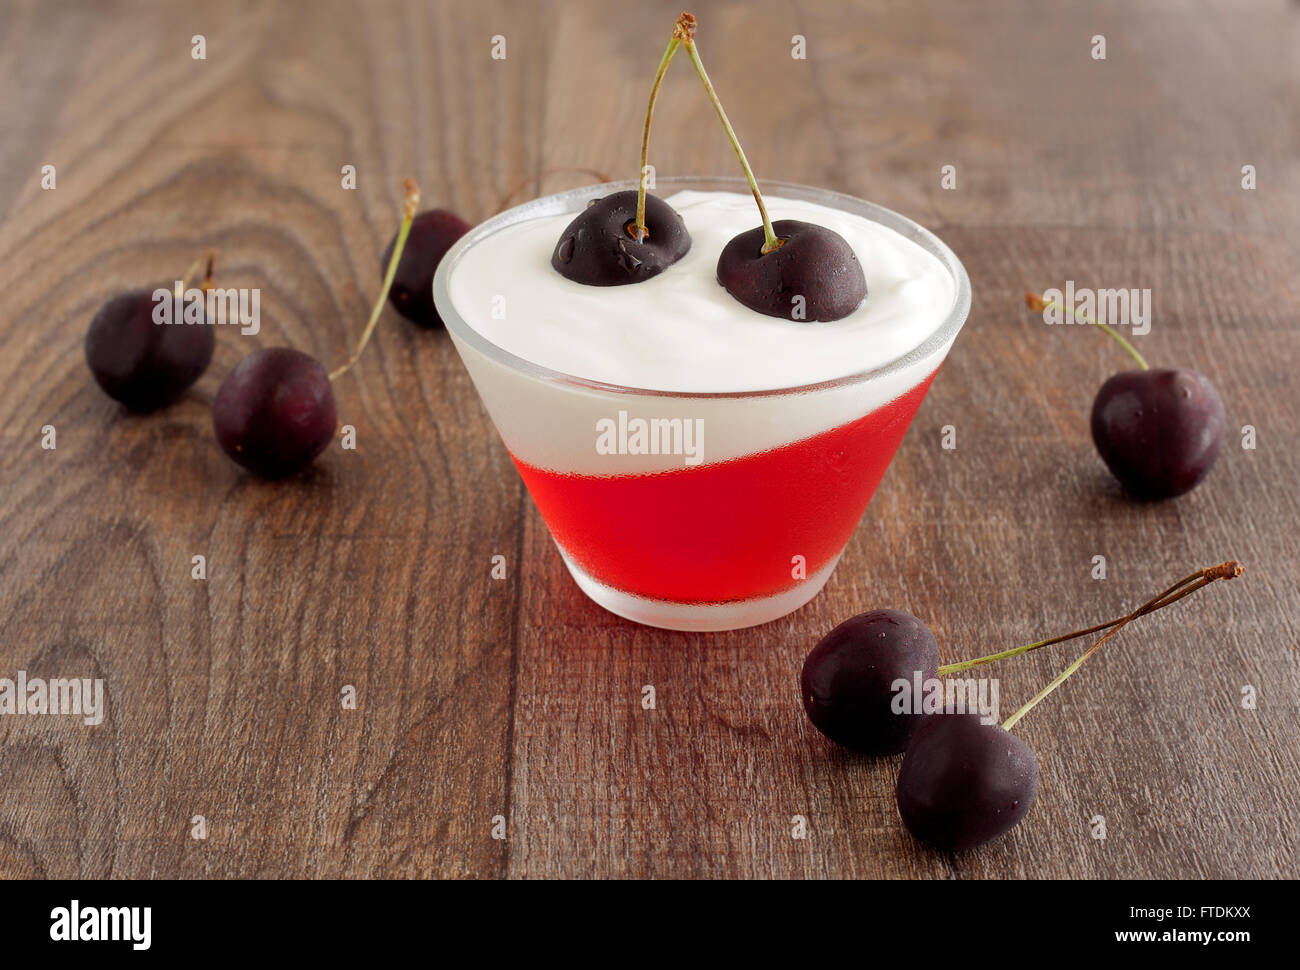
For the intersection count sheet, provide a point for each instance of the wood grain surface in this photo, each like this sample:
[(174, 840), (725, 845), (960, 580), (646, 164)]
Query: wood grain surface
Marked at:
[(519, 697)]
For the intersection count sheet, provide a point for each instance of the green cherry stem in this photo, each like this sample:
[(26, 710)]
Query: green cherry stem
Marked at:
[(1159, 603), (686, 28), (1227, 570), (639, 230), (1036, 302), (409, 206)]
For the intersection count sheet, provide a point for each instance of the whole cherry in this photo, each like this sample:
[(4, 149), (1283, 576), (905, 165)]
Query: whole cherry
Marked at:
[(275, 412), (1159, 431), (432, 233), (146, 359), (848, 679)]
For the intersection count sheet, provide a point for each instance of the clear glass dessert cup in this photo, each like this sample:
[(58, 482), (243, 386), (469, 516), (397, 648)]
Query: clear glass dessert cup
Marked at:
[(753, 530)]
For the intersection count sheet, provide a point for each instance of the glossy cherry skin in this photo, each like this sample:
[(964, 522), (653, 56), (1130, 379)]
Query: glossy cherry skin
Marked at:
[(814, 275), (598, 249), (432, 234), (275, 412), (848, 679), (964, 783), (144, 364), (1159, 431)]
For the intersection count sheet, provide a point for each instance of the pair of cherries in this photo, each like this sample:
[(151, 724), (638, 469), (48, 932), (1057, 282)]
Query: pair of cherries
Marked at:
[(790, 269), (962, 782), (275, 412)]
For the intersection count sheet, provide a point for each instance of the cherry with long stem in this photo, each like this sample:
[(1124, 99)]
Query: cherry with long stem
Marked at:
[(1159, 431), (685, 28), (1185, 587), (411, 204)]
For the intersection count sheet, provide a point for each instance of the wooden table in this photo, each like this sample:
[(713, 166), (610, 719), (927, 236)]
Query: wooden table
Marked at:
[(519, 698)]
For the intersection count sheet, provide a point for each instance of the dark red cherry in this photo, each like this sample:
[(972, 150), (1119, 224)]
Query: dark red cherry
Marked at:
[(432, 234), (964, 783), (139, 362), (848, 679), (598, 247), (1159, 431), (813, 262), (275, 412)]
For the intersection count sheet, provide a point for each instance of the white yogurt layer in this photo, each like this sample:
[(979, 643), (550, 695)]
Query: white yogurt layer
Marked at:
[(681, 331)]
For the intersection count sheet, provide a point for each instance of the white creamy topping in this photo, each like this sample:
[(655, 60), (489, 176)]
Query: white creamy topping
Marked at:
[(681, 331)]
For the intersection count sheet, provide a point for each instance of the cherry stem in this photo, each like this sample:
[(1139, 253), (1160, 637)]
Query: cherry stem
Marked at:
[(686, 25), (411, 203), (1036, 302), (1184, 587), (639, 230), (182, 287), (1158, 604), (208, 272)]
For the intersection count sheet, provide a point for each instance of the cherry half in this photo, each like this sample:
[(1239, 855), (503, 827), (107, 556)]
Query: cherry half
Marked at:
[(432, 234), (847, 680), (275, 412), (793, 270), (142, 363), (1159, 431)]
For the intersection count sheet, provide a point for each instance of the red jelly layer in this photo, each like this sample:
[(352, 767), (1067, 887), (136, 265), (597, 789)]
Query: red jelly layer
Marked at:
[(729, 530)]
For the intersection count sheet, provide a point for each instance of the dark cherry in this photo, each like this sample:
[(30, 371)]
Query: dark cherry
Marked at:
[(964, 783), (847, 680), (141, 363), (1159, 431), (432, 234), (813, 262), (275, 412), (598, 247)]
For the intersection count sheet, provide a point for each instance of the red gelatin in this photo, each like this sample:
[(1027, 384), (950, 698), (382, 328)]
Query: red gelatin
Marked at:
[(725, 531)]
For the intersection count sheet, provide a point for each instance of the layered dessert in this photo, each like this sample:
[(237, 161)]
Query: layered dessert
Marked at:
[(701, 465), (700, 406)]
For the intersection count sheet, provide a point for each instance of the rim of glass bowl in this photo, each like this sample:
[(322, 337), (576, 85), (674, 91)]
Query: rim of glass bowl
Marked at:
[(572, 201)]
